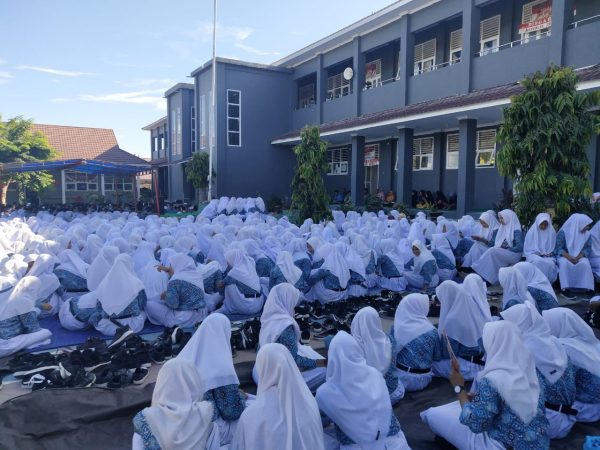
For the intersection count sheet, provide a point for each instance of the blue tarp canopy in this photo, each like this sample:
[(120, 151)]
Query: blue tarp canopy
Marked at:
[(79, 165)]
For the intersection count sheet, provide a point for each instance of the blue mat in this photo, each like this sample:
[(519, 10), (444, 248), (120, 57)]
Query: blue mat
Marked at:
[(64, 338)]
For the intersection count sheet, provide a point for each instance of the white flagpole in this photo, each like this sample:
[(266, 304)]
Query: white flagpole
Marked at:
[(213, 137)]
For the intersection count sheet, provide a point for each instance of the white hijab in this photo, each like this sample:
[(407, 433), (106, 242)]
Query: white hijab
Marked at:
[(71, 262), (389, 248), (550, 357), (576, 337), (43, 269), (120, 286), (575, 239), (540, 241), (360, 246), (289, 270), (143, 255), (178, 417), (21, 298), (184, 269), (514, 286), (243, 268), (278, 313), (424, 256), (410, 320), (376, 346), (451, 232), (510, 368), (354, 261), (474, 285), (460, 318), (100, 266), (489, 217), (335, 263), (155, 282), (354, 395), (284, 415), (535, 278), (217, 253), (441, 244), (506, 231)]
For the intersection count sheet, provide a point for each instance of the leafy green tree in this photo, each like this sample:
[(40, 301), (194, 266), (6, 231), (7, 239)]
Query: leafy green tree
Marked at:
[(545, 133), (309, 197), (196, 171), (19, 144)]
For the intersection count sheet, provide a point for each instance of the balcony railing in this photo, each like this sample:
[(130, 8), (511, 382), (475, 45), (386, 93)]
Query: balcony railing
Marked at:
[(372, 85), (585, 21), (437, 66), (512, 44)]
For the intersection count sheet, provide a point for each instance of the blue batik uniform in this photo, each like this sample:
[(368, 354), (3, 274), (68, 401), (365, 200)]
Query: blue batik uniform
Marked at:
[(587, 386), (245, 290), (442, 260), (71, 282), (462, 351), (289, 339), (81, 314), (264, 266), (421, 351), (562, 391), (387, 268), (141, 427), (277, 277), (17, 325), (135, 308), (211, 283), (184, 296), (543, 300), (561, 245), (330, 281), (228, 402)]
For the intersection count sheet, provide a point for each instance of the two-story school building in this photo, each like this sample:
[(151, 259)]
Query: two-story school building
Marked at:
[(408, 98)]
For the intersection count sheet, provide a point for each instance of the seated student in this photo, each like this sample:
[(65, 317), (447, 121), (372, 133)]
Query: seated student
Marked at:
[(75, 312), (121, 299), (482, 236), (241, 285), (273, 418), (182, 304), (475, 287), (313, 244), (390, 197), (540, 242), (338, 197), (355, 398), (328, 283), (72, 271), (595, 250), (573, 245), (390, 266), (369, 259), (551, 361), (209, 350), (142, 256), (285, 271), (462, 322), (514, 288), (264, 265), (505, 408), (19, 326), (423, 274), (297, 247), (177, 418), (583, 349), (444, 257), (278, 325), (212, 277), (506, 250), (538, 286), (100, 266), (378, 349), (358, 275), (49, 298)]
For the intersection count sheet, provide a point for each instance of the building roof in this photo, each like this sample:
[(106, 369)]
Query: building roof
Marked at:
[(497, 95), (156, 123), (177, 87), (238, 62), (99, 144)]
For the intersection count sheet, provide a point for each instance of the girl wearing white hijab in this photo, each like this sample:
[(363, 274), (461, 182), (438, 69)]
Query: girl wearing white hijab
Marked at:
[(378, 349), (329, 282), (417, 342), (72, 271), (143, 256), (92, 247), (539, 245), (514, 288), (474, 285), (358, 275), (423, 275), (390, 266), (573, 248), (552, 362), (75, 312), (506, 406), (50, 294), (264, 265), (297, 247), (242, 290), (285, 271), (482, 238), (278, 325), (583, 348), (182, 304), (285, 414), (19, 326), (538, 286), (462, 322), (209, 350), (369, 259), (178, 418), (121, 298), (100, 266), (212, 277), (356, 400), (507, 248), (444, 257)]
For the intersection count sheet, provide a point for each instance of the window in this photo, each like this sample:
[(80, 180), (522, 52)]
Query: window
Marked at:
[(423, 153), (117, 183), (166, 139), (424, 57), (193, 129), (234, 118), (76, 181), (306, 95), (203, 140), (486, 148), (452, 142), (371, 155), (337, 159), (536, 20), (154, 143), (174, 131), (398, 66), (373, 74), (455, 46), (489, 32), (338, 86)]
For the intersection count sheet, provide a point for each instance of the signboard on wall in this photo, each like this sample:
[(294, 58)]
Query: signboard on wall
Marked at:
[(371, 155), (539, 19)]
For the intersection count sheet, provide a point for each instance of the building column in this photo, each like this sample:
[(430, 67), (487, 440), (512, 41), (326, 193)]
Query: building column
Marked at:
[(439, 150), (386, 166), (407, 50), (102, 185), (559, 27), (405, 166), (358, 59), (357, 170), (470, 45), (321, 89), (63, 186), (466, 166)]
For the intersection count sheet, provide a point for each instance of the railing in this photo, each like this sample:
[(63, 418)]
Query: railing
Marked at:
[(368, 85), (585, 21), (437, 66), (512, 44)]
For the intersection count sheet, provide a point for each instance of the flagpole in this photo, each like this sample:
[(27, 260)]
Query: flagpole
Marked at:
[(213, 137)]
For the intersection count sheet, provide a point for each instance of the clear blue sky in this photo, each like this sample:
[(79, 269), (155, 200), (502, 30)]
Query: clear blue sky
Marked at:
[(107, 63)]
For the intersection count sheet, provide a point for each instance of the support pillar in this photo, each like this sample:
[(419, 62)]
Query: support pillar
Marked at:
[(557, 33), (407, 51), (321, 89), (358, 82), (404, 164), (63, 186), (102, 190), (357, 170), (470, 32), (466, 166)]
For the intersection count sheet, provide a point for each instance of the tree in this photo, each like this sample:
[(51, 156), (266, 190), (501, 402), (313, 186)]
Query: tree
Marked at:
[(18, 144), (196, 171), (545, 132), (309, 197)]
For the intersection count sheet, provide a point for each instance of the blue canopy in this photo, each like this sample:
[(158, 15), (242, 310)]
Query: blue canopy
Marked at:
[(79, 165)]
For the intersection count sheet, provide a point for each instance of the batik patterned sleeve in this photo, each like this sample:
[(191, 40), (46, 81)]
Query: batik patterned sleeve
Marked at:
[(228, 401), (391, 378), (29, 322), (141, 427), (289, 340), (428, 270), (479, 414), (561, 245), (316, 276), (172, 295), (587, 248), (517, 246), (371, 267)]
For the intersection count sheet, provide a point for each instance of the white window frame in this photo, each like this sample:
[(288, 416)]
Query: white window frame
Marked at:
[(425, 54), (375, 79), (456, 38), (398, 73), (238, 118), (203, 139), (338, 161), (306, 95), (338, 86), (193, 127), (419, 145), (74, 179), (483, 137), (487, 36), (117, 183), (452, 147)]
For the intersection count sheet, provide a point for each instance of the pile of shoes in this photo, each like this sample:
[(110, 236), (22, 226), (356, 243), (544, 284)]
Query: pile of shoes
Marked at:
[(169, 344), (244, 335)]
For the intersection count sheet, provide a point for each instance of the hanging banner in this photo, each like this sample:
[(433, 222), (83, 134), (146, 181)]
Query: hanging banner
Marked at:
[(540, 19), (371, 155)]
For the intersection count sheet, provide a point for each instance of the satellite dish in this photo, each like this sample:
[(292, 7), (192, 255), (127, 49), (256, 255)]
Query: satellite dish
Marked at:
[(348, 73)]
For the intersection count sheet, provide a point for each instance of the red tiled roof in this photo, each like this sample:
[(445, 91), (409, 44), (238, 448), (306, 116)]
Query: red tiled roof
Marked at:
[(86, 143)]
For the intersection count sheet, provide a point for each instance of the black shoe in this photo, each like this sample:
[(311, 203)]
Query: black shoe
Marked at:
[(168, 349), (119, 380), (93, 343), (34, 382), (122, 360), (321, 336), (93, 359), (305, 336), (30, 364), (158, 353), (81, 379), (121, 335), (139, 376), (103, 377), (568, 294)]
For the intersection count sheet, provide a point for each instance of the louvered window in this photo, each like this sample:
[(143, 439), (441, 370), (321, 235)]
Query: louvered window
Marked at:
[(424, 57), (486, 148), (337, 160), (373, 74), (452, 141), (489, 32), (337, 86), (423, 153), (455, 46), (306, 95)]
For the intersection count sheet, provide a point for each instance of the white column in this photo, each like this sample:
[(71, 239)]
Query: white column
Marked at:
[(63, 185), (102, 184)]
